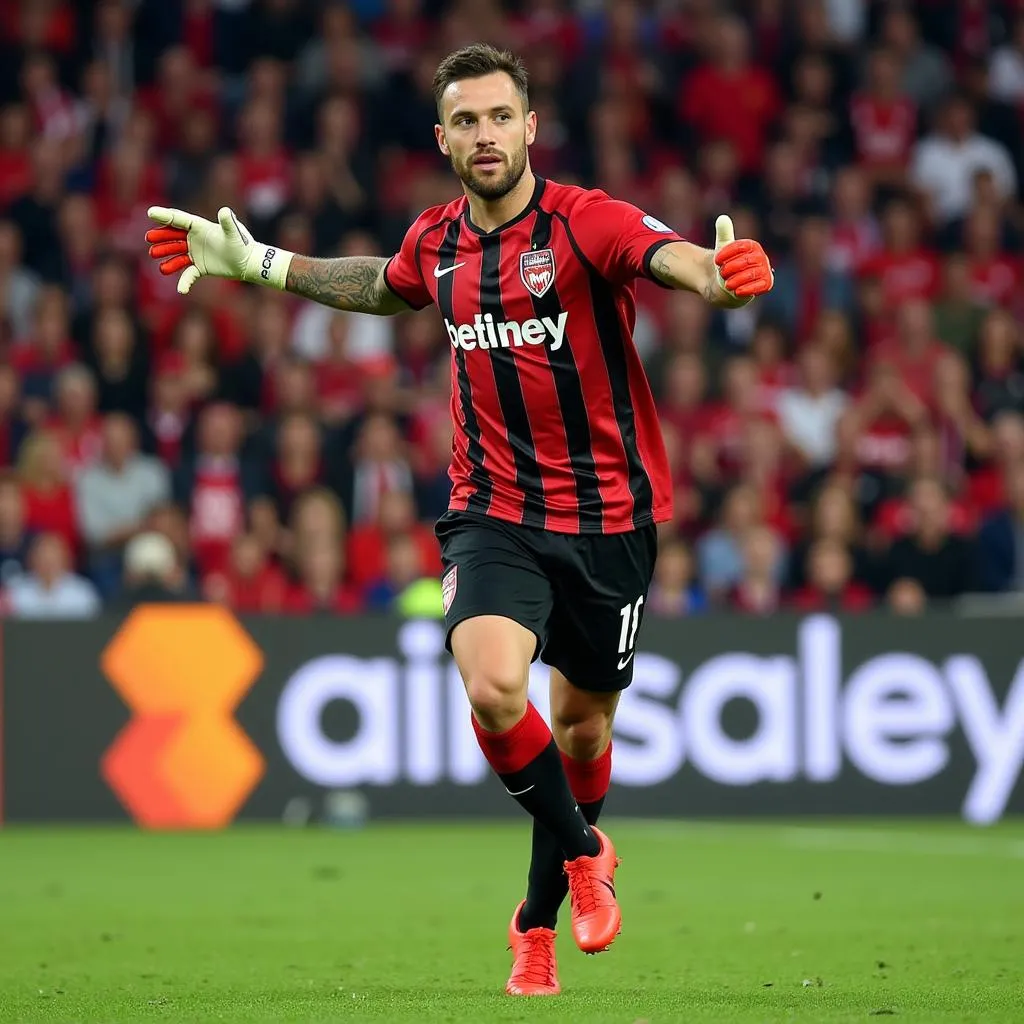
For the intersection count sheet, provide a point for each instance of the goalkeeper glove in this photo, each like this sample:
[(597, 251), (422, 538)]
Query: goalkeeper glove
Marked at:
[(742, 268), (198, 247)]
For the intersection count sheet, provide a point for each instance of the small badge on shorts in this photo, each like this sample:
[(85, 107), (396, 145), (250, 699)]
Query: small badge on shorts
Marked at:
[(448, 587)]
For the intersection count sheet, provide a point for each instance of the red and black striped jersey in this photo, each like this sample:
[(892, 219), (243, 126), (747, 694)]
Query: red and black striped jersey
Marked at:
[(555, 424)]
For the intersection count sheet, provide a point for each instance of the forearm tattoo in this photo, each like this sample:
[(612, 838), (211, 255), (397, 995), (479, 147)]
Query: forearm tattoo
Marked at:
[(354, 283)]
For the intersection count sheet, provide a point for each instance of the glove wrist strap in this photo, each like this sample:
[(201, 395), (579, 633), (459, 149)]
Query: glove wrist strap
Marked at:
[(268, 266)]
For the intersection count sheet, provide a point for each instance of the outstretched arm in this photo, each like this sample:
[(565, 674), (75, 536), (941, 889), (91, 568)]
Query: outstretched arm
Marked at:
[(198, 247), (349, 282), (729, 276)]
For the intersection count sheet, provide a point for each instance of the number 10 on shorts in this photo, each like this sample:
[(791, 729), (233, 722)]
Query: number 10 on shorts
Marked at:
[(630, 615)]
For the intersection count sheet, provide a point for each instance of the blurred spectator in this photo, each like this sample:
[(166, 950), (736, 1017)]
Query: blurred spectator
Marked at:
[(833, 519), (299, 464), (957, 314), (758, 592), (318, 557), (119, 364), (379, 465), (830, 583), (152, 572), (19, 286), (1001, 539), (906, 596), (251, 583), (76, 420), (674, 590), (13, 535), (35, 212), (1006, 81), (946, 161), (368, 543), (12, 425), (50, 590), (719, 551), (49, 501), (884, 120), (115, 495), (216, 485), (809, 414), (999, 383), (403, 569), (940, 561), (926, 71), (708, 98), (805, 285)]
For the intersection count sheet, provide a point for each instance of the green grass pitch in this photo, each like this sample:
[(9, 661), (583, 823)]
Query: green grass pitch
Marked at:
[(909, 922)]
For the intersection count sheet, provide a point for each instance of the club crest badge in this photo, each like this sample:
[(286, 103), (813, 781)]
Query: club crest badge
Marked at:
[(537, 269), (448, 587)]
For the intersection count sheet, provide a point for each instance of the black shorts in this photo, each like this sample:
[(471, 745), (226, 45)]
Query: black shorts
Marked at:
[(581, 594)]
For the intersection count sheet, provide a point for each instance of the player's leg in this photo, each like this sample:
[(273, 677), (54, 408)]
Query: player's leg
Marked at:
[(599, 588), (581, 722), (494, 655), (497, 605)]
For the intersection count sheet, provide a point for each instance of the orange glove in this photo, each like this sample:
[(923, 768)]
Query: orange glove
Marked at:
[(743, 267)]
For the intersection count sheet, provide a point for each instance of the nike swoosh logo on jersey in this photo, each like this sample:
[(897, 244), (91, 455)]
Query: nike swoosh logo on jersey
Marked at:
[(520, 793), (439, 272), (623, 662)]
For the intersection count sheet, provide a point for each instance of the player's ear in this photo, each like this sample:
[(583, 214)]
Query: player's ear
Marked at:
[(531, 127), (442, 143)]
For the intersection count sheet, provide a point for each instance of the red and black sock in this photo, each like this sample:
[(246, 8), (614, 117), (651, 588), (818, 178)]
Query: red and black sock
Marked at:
[(547, 886), (527, 760)]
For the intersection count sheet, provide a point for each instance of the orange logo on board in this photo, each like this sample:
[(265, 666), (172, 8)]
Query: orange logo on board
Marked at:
[(182, 761)]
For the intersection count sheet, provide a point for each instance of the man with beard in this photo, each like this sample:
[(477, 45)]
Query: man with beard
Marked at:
[(558, 469)]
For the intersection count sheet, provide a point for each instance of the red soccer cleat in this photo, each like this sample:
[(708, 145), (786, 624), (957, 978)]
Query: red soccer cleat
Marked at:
[(534, 971), (596, 918)]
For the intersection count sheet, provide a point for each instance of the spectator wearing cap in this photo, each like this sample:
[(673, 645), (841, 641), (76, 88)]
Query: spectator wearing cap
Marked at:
[(50, 590), (115, 496), (152, 572)]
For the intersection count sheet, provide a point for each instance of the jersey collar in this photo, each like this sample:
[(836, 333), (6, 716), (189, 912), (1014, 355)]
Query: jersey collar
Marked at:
[(538, 191)]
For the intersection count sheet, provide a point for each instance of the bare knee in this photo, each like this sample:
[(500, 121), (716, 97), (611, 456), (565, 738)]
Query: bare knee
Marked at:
[(583, 738), (497, 696)]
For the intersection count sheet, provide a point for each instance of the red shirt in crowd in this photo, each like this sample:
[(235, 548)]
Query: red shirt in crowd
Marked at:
[(883, 132), (854, 597), (994, 281), (266, 591), (895, 518), (367, 554), (739, 107), (299, 601), (52, 512), (904, 276), (217, 513)]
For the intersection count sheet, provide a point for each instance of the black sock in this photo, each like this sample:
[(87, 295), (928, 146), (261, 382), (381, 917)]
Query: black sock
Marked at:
[(542, 789), (547, 886)]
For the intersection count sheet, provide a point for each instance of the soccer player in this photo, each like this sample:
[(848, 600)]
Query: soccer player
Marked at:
[(558, 470)]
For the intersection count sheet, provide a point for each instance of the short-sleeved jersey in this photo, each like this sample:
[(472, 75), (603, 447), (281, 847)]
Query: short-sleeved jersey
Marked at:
[(555, 424)]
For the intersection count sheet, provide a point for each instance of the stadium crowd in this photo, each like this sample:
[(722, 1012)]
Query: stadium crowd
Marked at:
[(854, 439)]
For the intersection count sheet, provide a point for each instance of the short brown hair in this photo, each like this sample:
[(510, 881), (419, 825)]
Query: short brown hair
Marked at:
[(476, 61)]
